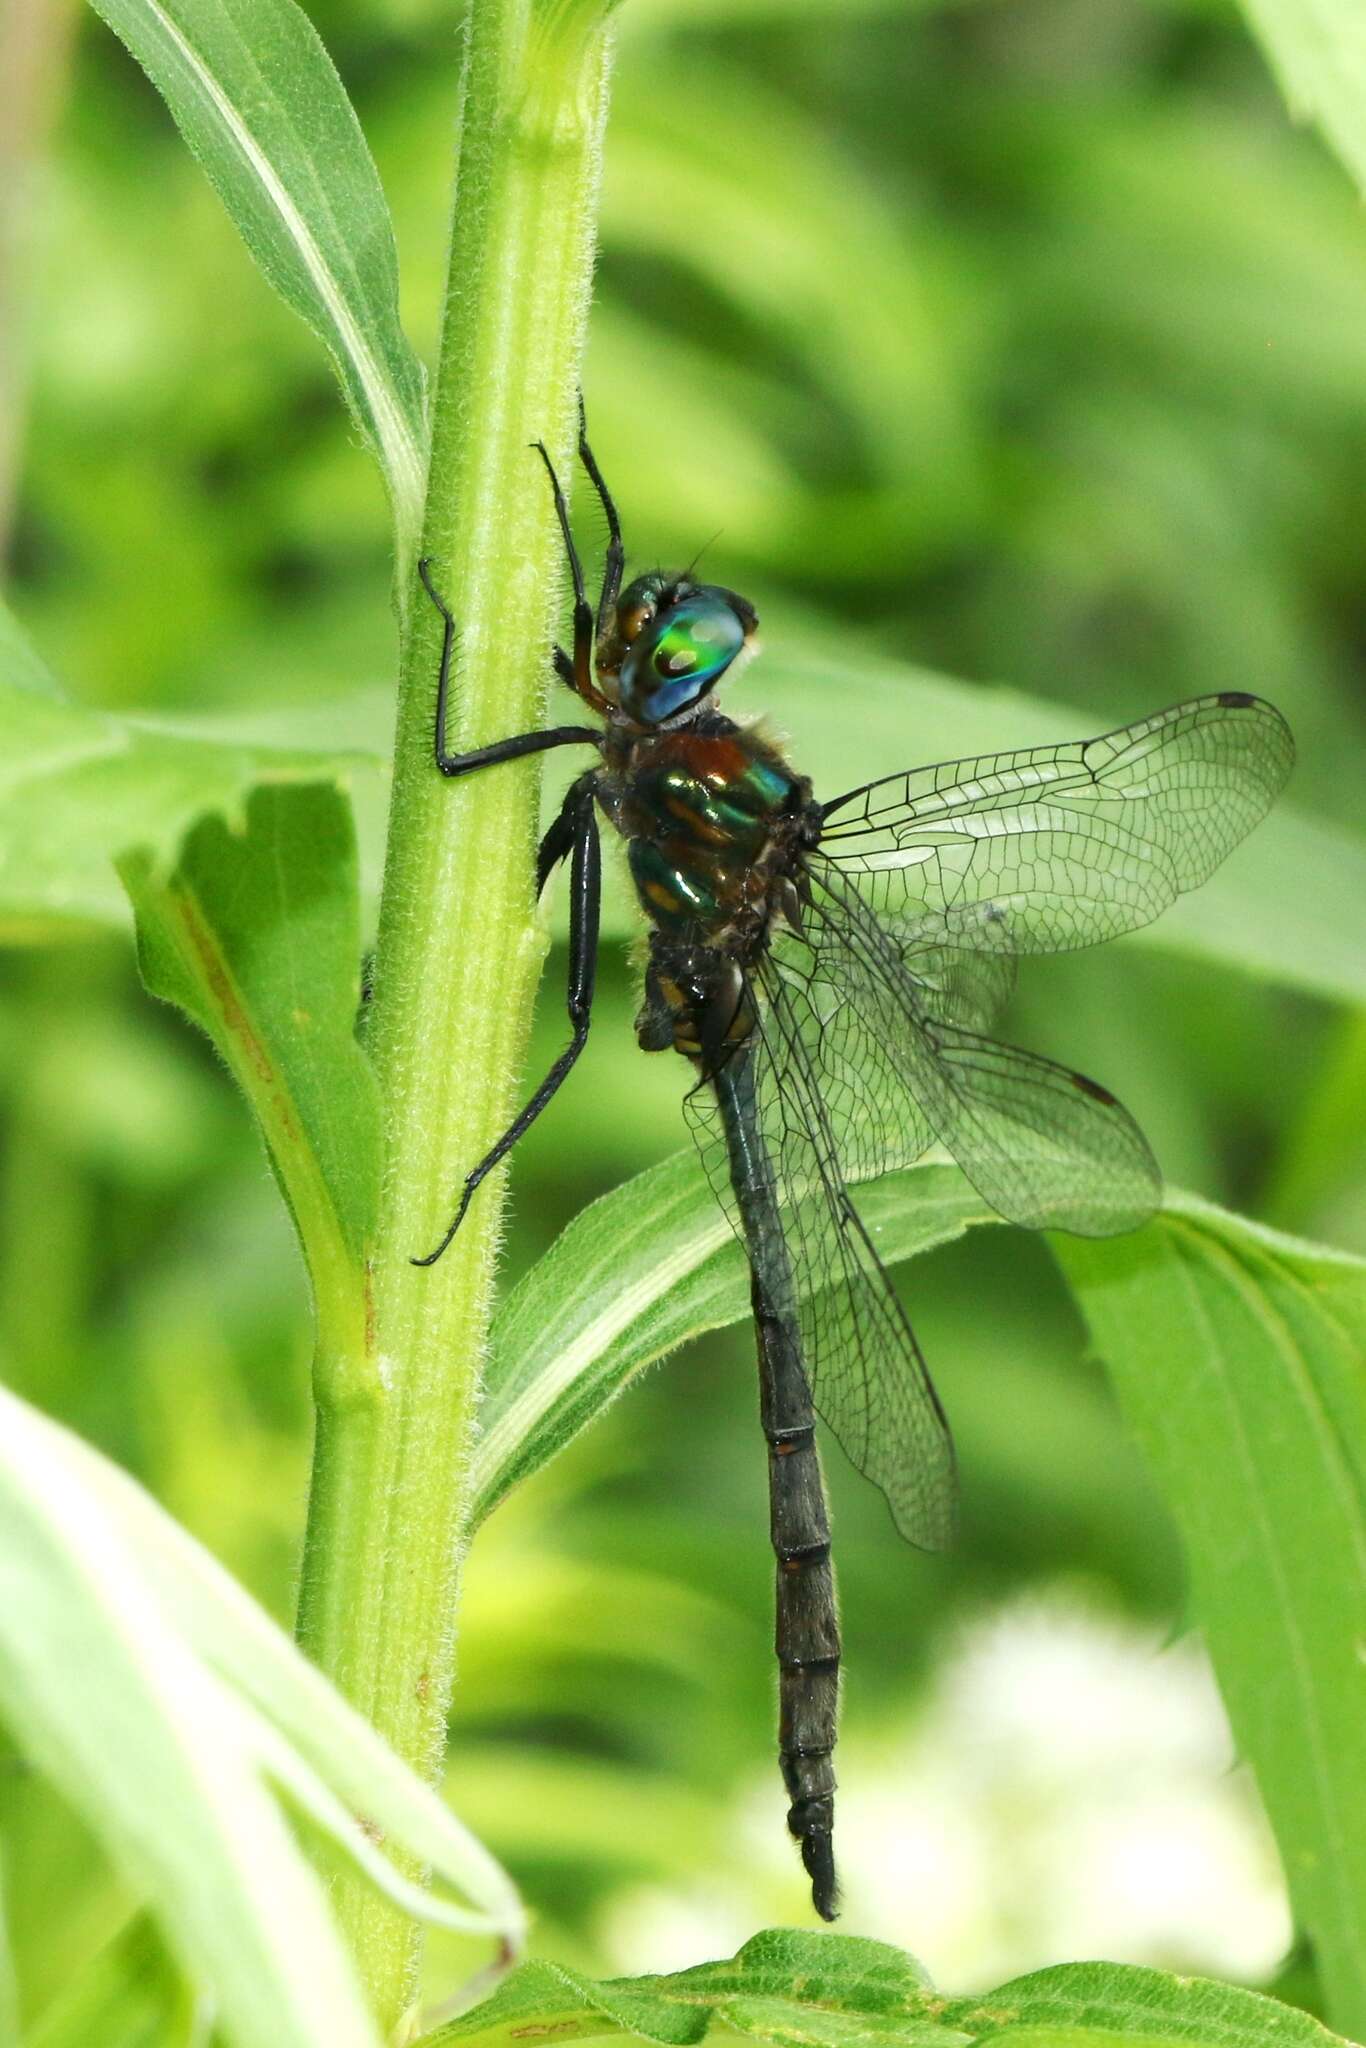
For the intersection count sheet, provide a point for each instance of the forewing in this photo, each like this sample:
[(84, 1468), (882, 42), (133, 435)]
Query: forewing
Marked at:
[(822, 1103), (1051, 848), (1045, 1146)]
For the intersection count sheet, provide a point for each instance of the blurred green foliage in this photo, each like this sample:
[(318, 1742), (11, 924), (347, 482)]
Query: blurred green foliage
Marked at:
[(1025, 340)]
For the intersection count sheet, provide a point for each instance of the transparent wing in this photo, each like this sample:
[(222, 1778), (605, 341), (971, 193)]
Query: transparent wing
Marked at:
[(869, 1045), (957, 986), (1052, 848), (1045, 1146), (826, 1102)]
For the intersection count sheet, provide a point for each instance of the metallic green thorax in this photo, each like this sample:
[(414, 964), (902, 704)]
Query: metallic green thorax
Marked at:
[(703, 809)]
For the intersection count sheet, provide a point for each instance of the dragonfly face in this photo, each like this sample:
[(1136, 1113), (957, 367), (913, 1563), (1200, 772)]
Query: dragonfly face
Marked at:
[(672, 641), (833, 972)]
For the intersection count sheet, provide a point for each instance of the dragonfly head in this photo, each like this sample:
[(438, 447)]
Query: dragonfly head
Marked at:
[(674, 640)]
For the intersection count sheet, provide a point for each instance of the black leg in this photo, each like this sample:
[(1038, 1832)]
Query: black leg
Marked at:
[(557, 841), (582, 664), (575, 832), (500, 750), (616, 553)]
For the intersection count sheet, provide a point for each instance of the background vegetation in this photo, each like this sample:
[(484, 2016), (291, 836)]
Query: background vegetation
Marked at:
[(1021, 341)]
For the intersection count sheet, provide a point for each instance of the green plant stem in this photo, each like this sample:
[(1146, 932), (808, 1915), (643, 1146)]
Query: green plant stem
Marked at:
[(460, 943)]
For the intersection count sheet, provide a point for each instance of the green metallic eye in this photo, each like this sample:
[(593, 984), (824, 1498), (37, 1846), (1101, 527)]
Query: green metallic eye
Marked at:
[(679, 658)]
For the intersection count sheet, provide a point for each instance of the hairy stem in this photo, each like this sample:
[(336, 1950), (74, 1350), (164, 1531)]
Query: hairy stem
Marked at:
[(460, 944)]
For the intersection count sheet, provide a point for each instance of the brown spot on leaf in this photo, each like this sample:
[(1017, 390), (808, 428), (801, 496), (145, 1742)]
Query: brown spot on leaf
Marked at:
[(236, 1021)]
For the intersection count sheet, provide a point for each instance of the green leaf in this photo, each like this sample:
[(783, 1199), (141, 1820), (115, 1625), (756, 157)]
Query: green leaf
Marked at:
[(783, 1986), (79, 787), (1318, 52), (1237, 1355), (9, 1985), (20, 665), (1081, 2037), (130, 1995), (193, 1719), (329, 1746), (1128, 2002), (631, 1278), (799, 1990), (259, 102), (255, 934)]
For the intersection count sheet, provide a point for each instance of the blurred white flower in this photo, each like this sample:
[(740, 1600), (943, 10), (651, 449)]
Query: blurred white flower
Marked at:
[(653, 1928), (1069, 1790)]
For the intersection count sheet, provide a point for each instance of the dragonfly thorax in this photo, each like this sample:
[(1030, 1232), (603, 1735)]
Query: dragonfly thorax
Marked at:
[(718, 830), (717, 825)]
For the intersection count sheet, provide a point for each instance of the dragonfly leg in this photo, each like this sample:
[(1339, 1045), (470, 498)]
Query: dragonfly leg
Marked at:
[(577, 670), (616, 550), (575, 834), (500, 750), (558, 839)]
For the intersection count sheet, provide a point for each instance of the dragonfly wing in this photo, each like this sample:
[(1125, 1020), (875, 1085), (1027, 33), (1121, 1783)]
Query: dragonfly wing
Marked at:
[(820, 1107), (1045, 1146), (1051, 848), (960, 987)]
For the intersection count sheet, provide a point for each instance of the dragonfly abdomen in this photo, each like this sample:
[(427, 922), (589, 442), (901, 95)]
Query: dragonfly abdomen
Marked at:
[(807, 1641), (807, 1632)]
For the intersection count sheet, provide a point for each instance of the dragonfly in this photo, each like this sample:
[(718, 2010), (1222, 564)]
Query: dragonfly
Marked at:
[(831, 972)]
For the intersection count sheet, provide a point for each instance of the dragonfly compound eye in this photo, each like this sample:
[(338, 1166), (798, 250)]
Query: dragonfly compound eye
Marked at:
[(678, 659)]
